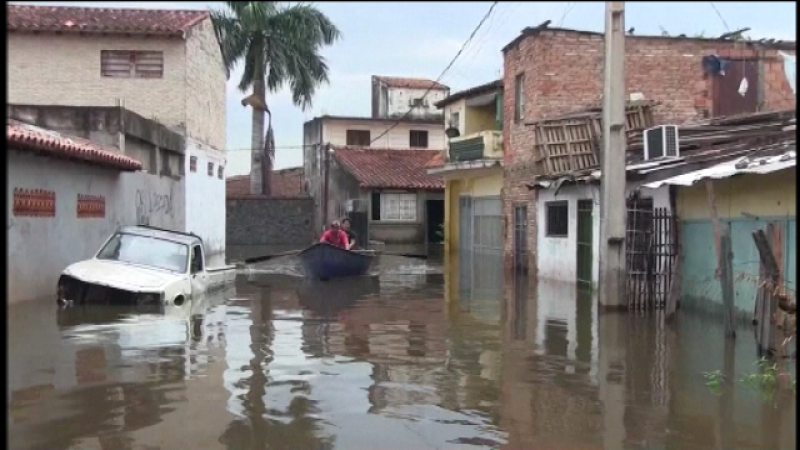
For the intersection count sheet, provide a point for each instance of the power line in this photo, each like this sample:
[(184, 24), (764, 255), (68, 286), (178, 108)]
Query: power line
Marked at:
[(727, 28), (405, 116)]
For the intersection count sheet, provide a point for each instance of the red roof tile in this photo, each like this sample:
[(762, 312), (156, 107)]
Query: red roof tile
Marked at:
[(437, 161), (30, 138), (70, 19), (388, 168), (286, 183), (411, 83)]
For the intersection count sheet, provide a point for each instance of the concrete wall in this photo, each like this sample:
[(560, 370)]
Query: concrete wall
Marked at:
[(563, 72), (745, 203), (205, 86), (205, 204), (268, 222), (557, 257), (41, 247), (398, 102), (48, 69)]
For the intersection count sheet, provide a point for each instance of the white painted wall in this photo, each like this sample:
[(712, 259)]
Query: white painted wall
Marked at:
[(335, 133), (205, 197), (399, 98), (557, 257), (39, 248)]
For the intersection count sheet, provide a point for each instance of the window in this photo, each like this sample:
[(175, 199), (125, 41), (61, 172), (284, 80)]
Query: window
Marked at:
[(211, 169), (519, 97), (131, 64), (197, 259), (220, 171), (396, 207), (358, 138), (455, 120), (557, 224), (417, 102), (193, 164), (418, 139)]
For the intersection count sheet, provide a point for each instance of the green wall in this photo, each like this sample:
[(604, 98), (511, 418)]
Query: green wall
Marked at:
[(700, 289)]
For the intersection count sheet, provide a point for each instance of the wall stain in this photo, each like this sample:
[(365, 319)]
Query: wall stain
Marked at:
[(152, 205)]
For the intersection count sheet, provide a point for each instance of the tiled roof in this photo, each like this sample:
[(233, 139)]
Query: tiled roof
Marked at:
[(437, 161), (70, 19), (286, 183), (388, 168), (35, 139), (411, 83)]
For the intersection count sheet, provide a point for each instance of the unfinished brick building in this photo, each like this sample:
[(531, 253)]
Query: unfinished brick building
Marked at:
[(550, 72)]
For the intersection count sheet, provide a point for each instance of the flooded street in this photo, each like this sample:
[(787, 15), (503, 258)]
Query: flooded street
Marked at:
[(382, 363)]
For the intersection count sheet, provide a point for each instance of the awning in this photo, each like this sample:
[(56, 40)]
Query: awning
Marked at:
[(763, 165)]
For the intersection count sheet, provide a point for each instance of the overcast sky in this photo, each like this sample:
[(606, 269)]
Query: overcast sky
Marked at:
[(418, 39)]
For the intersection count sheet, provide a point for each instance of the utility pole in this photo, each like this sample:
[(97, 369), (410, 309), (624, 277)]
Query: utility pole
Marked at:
[(613, 210), (326, 150)]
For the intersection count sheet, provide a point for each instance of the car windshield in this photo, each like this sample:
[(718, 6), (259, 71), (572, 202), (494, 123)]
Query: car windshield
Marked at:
[(146, 251)]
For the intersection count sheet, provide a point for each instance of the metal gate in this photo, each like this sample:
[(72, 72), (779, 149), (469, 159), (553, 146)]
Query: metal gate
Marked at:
[(651, 253), (521, 238), (487, 225), (585, 256)]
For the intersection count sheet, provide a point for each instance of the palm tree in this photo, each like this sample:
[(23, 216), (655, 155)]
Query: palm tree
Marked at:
[(279, 44)]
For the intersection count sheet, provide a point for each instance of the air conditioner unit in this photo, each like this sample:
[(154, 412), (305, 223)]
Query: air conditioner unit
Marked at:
[(661, 142)]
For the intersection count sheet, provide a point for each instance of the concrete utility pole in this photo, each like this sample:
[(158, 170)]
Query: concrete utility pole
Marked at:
[(613, 210)]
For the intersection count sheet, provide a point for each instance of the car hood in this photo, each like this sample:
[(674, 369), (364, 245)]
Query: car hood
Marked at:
[(120, 275)]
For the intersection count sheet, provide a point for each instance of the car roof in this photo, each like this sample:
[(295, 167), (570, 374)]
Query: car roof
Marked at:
[(167, 235)]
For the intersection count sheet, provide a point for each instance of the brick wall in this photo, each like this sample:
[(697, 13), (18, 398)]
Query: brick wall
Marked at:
[(564, 73), (205, 86), (49, 69)]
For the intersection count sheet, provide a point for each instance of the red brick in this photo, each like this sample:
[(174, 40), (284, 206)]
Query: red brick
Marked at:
[(654, 66)]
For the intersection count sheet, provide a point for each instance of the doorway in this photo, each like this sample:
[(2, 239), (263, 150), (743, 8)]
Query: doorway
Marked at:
[(584, 242), (435, 213)]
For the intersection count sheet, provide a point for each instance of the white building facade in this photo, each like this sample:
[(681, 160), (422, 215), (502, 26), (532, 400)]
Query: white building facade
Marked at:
[(170, 71)]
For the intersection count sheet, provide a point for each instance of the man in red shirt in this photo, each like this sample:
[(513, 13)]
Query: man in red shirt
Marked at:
[(335, 236)]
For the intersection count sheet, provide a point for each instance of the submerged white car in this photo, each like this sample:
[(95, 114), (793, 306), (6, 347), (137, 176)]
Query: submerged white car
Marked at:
[(143, 265)]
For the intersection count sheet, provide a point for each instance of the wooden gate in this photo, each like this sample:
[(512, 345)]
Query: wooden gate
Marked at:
[(651, 253)]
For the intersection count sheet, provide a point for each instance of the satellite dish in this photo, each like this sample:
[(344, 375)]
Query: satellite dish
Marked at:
[(452, 132)]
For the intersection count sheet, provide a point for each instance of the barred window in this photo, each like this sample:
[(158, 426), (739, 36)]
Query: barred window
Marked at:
[(557, 224)]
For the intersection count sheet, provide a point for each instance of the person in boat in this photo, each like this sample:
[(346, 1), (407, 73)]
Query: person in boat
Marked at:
[(335, 236), (351, 235)]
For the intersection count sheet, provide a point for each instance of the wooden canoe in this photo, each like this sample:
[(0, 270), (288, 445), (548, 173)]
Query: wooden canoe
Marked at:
[(324, 261)]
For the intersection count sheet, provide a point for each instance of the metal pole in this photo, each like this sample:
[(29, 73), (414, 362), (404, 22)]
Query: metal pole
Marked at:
[(612, 204)]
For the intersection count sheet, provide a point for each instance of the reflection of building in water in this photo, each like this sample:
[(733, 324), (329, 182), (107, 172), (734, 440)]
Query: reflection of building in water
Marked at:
[(475, 284)]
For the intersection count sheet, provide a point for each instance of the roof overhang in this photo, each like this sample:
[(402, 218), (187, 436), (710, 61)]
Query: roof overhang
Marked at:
[(454, 168), (739, 166)]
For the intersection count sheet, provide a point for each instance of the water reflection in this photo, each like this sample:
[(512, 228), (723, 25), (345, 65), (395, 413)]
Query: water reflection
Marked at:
[(413, 359)]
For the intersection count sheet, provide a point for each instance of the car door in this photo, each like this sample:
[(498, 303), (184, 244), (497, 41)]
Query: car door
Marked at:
[(198, 275)]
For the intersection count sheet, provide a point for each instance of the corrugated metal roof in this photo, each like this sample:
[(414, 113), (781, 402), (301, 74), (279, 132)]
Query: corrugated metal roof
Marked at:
[(763, 165)]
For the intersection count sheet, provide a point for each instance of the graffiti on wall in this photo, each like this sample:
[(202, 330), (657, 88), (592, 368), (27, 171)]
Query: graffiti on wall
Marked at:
[(151, 206)]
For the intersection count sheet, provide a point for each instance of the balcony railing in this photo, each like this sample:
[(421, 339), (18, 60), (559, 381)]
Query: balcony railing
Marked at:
[(482, 145)]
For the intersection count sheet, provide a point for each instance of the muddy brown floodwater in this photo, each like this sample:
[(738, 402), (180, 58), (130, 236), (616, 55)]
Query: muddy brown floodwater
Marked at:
[(382, 363)]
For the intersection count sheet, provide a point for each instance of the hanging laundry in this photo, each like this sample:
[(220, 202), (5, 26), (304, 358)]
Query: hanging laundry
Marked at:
[(743, 87), (714, 65), (790, 69)]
